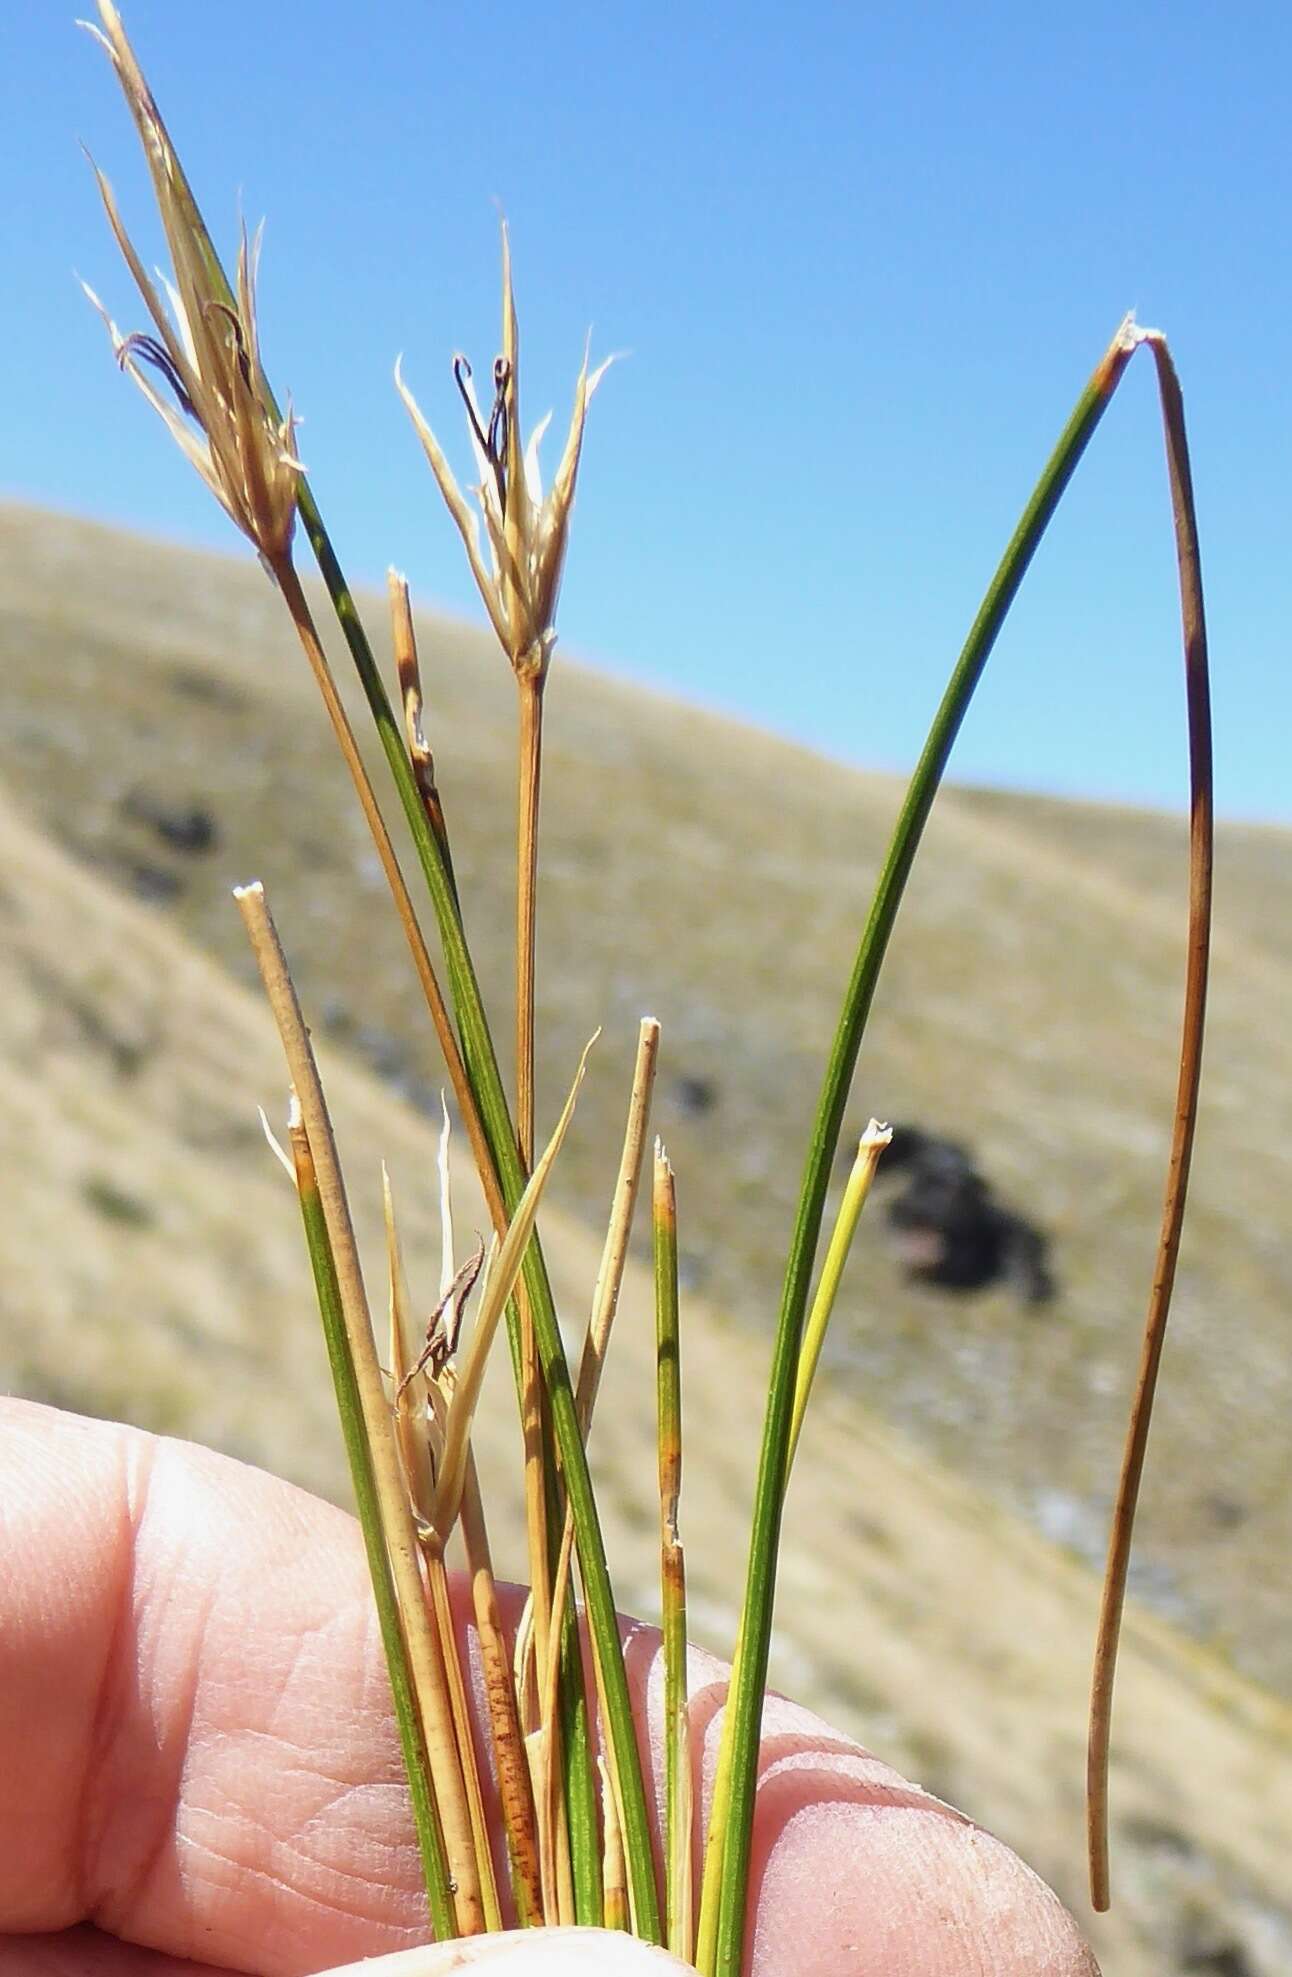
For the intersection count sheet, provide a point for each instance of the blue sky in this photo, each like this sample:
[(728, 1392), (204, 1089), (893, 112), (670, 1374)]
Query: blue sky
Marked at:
[(862, 258)]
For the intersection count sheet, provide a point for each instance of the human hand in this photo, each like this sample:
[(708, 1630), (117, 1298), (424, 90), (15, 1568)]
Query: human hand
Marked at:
[(199, 1772)]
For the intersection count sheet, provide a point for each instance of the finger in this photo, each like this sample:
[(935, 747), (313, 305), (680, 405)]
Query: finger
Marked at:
[(195, 1743), (86, 1952), (196, 1750), (856, 1870)]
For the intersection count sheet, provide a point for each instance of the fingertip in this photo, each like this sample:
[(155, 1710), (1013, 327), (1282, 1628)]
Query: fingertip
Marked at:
[(903, 1885)]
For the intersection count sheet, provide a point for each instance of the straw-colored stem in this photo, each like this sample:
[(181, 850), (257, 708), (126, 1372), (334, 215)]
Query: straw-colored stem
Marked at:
[(367, 1503), (510, 1763), (438, 1582), (530, 687), (616, 1904), (303, 621), (397, 1521), (869, 1148), (1193, 622), (677, 1727), (610, 1275), (536, 1756), (722, 1937)]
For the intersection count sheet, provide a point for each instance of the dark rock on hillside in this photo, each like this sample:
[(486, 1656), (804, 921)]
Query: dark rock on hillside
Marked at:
[(183, 826), (948, 1227)]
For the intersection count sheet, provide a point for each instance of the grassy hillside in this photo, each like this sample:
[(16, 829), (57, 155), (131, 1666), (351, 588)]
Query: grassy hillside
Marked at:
[(717, 877), (153, 1269)]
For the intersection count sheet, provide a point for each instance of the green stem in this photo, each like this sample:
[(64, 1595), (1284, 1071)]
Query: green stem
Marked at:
[(486, 1079), (744, 1709), (350, 1409), (582, 1803)]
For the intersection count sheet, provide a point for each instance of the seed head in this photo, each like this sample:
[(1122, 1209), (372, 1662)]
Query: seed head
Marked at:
[(219, 408), (525, 531)]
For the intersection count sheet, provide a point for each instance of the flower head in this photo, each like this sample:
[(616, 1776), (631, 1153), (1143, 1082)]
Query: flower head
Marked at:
[(518, 573), (219, 409)]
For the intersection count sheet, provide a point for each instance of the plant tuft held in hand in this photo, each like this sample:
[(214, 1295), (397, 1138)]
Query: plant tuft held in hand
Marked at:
[(564, 1746)]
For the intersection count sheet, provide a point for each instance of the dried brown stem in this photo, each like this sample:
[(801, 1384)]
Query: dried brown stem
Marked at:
[(1193, 624), (510, 1764)]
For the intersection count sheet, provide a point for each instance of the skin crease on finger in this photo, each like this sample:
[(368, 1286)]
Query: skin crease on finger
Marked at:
[(196, 1756)]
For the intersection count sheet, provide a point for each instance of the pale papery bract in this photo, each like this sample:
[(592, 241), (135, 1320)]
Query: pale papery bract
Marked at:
[(518, 569), (207, 348)]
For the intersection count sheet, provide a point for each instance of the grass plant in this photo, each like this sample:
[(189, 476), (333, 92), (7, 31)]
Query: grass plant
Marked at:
[(567, 1766)]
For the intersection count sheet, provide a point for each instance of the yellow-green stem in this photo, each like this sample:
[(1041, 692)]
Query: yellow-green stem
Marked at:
[(871, 1146)]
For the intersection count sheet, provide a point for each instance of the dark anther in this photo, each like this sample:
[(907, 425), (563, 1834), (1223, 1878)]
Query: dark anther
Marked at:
[(240, 341), (159, 357), (446, 1320), (498, 417), (460, 1290), (493, 444), (462, 378)]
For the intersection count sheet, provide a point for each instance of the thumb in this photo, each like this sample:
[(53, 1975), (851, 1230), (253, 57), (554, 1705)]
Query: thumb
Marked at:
[(527, 1953)]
